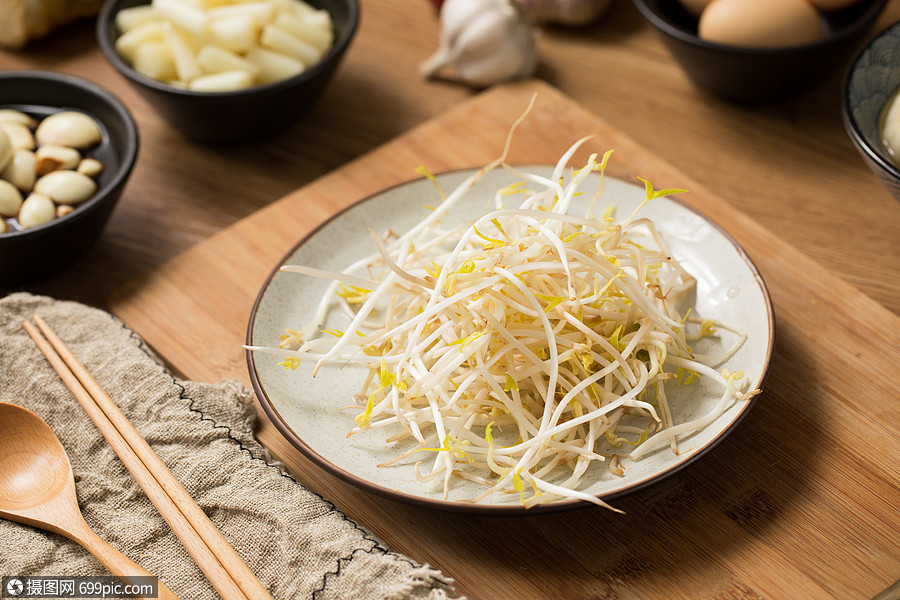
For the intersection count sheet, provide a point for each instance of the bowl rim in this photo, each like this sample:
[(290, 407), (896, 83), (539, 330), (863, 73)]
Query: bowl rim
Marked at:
[(127, 156), (105, 23), (850, 123), (858, 26)]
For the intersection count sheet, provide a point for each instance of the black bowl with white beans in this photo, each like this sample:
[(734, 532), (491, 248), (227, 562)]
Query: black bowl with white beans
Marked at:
[(68, 148)]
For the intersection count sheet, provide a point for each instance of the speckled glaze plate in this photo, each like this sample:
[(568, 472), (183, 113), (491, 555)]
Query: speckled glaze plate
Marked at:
[(313, 414)]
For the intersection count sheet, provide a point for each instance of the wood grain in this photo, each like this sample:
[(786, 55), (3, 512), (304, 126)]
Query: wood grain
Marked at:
[(799, 502), (789, 165)]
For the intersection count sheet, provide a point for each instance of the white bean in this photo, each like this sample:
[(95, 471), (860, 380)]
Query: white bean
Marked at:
[(90, 167), (9, 115), (6, 149), (19, 135), (36, 210), (52, 157), (69, 128), (21, 170), (66, 187), (10, 199)]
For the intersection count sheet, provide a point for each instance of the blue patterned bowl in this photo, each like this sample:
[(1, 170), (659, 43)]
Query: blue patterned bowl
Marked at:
[(872, 79)]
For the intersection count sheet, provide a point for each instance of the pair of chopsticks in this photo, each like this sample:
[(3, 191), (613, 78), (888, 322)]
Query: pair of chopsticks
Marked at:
[(228, 574)]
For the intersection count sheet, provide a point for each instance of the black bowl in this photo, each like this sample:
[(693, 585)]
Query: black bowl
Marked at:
[(760, 74), (870, 82), (240, 116), (30, 254)]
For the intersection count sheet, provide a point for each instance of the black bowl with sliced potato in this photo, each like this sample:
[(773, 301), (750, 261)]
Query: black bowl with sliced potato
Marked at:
[(231, 74)]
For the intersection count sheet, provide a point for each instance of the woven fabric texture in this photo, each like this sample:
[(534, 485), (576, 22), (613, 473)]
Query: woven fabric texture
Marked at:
[(298, 544)]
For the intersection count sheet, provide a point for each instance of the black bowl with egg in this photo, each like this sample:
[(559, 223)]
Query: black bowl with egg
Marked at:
[(238, 116), (748, 74), (28, 254), (871, 83)]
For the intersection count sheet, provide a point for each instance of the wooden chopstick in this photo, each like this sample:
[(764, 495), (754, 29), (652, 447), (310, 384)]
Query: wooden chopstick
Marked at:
[(221, 565)]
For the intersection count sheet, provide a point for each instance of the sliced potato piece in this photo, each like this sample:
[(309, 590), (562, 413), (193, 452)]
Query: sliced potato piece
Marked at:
[(183, 53), (237, 33), (274, 66), (262, 12), (215, 59), (208, 4), (155, 60), (187, 39), (316, 34), (183, 14), (127, 43), (295, 6), (276, 38), (222, 82), (129, 18)]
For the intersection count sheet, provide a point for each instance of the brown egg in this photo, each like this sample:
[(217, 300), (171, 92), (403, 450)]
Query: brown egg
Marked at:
[(832, 4), (761, 23), (694, 7)]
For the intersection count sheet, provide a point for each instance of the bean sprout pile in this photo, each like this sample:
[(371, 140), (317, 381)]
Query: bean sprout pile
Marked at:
[(522, 348)]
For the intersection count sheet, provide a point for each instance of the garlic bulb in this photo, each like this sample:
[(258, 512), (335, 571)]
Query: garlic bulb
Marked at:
[(485, 41)]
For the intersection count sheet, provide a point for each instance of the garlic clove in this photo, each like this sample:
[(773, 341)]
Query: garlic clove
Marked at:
[(10, 199), (9, 115), (90, 167), (52, 157), (69, 128), (6, 149), (66, 187), (19, 135), (36, 210), (63, 210), (21, 170)]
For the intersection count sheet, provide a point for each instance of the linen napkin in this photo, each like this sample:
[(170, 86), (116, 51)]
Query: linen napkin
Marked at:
[(296, 542)]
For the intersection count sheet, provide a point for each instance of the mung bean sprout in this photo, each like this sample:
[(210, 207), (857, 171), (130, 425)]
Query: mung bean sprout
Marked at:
[(516, 350)]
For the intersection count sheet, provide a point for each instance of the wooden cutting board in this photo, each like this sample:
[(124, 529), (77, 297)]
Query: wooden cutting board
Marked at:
[(801, 501)]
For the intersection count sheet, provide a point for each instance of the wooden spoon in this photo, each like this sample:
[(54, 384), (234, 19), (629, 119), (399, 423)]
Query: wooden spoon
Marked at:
[(37, 488)]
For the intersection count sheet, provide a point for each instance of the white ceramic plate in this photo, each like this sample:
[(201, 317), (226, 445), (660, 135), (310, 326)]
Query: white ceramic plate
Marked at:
[(312, 413)]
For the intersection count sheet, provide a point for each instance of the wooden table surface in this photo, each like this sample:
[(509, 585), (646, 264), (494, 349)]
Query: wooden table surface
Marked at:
[(788, 165)]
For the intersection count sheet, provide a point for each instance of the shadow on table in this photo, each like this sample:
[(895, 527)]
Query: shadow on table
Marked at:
[(732, 501)]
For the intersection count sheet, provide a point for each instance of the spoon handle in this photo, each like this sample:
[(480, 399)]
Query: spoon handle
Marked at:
[(117, 563)]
